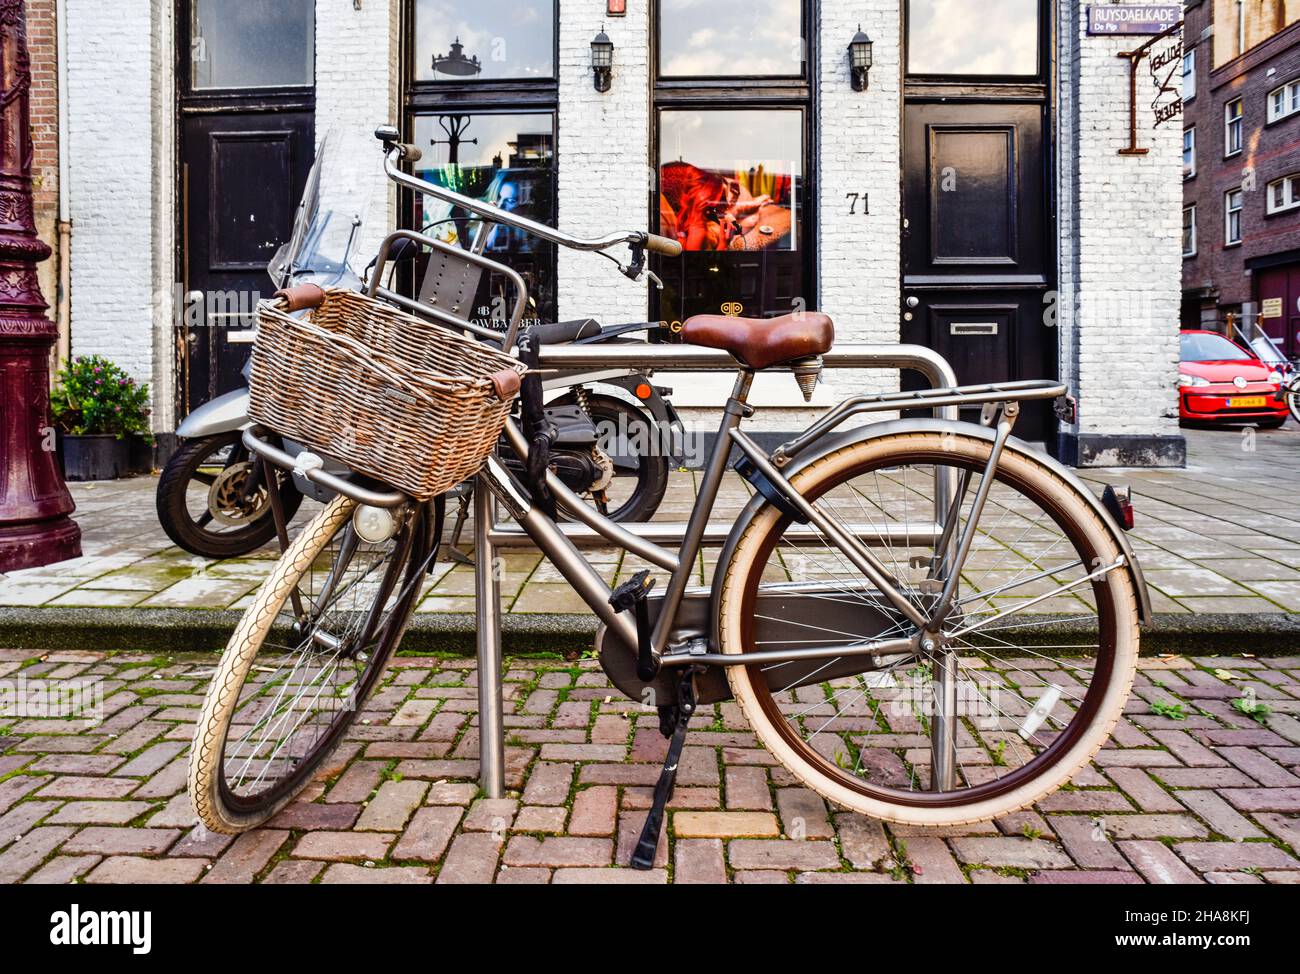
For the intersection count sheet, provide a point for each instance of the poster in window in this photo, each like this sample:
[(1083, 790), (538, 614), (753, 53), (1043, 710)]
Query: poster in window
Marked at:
[(730, 180)]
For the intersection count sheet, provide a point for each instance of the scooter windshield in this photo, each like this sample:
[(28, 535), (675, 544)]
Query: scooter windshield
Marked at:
[(323, 239)]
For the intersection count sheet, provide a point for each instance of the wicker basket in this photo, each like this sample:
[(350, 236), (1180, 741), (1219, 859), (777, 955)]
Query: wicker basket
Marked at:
[(401, 400)]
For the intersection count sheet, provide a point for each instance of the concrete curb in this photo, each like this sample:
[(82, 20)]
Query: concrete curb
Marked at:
[(200, 630)]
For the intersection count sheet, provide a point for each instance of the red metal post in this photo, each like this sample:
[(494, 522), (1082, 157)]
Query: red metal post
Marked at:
[(34, 501)]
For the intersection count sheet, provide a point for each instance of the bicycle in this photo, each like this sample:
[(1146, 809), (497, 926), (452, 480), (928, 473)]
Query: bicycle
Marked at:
[(872, 609)]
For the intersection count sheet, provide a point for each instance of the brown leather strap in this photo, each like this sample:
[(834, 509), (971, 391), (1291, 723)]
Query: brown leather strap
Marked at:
[(506, 383), (301, 297)]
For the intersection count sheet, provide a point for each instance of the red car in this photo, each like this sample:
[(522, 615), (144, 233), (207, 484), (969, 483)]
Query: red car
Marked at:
[(1220, 381)]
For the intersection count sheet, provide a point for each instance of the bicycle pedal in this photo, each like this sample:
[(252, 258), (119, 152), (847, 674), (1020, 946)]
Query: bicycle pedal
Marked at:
[(632, 592)]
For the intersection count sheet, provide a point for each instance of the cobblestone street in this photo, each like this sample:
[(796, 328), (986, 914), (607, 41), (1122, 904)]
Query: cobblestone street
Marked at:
[(1188, 789)]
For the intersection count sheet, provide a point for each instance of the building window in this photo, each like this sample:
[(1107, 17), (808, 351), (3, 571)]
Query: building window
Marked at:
[(1189, 231), (1189, 152), (1232, 217), (485, 40), (995, 37), (481, 106), (253, 44), (733, 103), (1284, 101), (1284, 193), (1189, 75), (1232, 127), (727, 38)]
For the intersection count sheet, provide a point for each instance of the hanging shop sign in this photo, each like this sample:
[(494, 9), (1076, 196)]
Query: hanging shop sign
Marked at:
[(1113, 18), (1163, 55)]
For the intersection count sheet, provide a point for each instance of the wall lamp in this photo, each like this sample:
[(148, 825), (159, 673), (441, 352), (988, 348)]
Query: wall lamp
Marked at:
[(602, 61), (860, 59)]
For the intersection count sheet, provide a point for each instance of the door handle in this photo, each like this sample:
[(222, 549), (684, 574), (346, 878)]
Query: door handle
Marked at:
[(913, 301)]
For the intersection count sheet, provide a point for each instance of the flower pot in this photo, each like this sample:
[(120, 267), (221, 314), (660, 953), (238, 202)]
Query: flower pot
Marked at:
[(100, 457)]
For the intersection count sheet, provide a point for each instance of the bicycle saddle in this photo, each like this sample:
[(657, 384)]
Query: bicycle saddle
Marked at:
[(761, 343)]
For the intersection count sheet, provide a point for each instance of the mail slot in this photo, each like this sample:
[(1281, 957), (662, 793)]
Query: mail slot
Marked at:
[(973, 328)]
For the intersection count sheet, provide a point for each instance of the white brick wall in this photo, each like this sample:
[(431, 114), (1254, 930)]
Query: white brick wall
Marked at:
[(121, 259), (859, 256), (603, 148), (358, 71), (1121, 232)]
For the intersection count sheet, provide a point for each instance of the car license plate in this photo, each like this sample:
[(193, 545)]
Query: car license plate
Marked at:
[(1249, 402)]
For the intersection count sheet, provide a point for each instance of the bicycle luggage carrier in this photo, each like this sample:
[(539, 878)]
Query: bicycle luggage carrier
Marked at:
[(974, 395)]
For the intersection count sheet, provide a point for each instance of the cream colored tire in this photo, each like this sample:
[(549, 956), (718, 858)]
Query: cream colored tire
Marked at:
[(899, 448), (222, 699)]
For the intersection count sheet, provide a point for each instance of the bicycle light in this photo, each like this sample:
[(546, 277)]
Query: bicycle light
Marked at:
[(374, 525)]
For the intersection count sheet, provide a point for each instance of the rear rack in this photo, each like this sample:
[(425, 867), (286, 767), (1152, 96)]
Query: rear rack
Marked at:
[(994, 392), (255, 441)]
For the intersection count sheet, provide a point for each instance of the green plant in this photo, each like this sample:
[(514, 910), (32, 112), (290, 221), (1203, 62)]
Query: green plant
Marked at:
[(1174, 711), (1252, 708), (95, 397)]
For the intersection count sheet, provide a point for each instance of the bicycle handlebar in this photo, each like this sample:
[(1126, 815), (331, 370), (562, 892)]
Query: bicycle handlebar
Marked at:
[(397, 152)]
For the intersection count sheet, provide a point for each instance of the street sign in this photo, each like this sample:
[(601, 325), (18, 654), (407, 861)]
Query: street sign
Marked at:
[(1115, 18)]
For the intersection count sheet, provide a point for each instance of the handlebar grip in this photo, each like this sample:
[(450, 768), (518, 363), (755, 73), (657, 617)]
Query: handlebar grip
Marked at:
[(410, 153), (662, 245)]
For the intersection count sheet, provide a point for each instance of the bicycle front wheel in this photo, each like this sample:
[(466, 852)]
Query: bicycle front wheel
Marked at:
[(303, 659), (984, 713)]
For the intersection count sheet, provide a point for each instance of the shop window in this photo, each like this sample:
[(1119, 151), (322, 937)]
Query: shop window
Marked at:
[(1284, 101), (1232, 127), (733, 110), (973, 37), (237, 44), (1189, 152), (1189, 231), (486, 40), (481, 107), (730, 38), (731, 191), (1232, 206), (508, 160), (1284, 194)]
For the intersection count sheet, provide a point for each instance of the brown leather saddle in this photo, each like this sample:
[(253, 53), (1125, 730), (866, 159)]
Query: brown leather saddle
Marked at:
[(760, 343)]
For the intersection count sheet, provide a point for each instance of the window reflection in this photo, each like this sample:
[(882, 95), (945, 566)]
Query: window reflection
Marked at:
[(507, 160), (252, 43), (972, 37), (704, 38), (484, 40)]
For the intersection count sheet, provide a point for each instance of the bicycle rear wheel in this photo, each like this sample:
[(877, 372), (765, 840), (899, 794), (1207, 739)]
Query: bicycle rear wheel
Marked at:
[(303, 659), (1019, 687)]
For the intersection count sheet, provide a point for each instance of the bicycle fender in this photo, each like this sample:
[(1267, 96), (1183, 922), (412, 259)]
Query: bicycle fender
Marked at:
[(839, 440), (224, 414)]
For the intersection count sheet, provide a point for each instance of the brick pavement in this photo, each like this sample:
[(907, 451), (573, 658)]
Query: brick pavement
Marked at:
[(1213, 796)]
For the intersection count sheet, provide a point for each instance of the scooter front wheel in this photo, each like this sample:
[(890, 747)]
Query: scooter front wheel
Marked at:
[(204, 506)]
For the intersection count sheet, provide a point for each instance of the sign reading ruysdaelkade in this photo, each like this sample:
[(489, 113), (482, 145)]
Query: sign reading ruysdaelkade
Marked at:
[(1117, 18)]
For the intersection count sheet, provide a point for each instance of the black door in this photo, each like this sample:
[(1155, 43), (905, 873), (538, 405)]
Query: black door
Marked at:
[(978, 238), (246, 146), (243, 176)]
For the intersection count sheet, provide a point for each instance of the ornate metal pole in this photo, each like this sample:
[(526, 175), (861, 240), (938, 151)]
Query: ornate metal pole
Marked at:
[(34, 502)]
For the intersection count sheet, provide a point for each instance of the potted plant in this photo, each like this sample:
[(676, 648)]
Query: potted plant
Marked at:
[(99, 412)]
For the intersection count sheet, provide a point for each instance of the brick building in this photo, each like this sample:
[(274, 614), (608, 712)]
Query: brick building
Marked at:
[(966, 193), (1241, 166)]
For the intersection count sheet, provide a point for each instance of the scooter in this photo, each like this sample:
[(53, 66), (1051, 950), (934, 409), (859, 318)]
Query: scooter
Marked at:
[(615, 431)]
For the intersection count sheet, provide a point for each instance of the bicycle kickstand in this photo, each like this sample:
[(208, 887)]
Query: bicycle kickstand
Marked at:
[(677, 717)]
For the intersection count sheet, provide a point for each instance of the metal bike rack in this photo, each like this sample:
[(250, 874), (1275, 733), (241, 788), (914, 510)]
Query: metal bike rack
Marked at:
[(489, 536)]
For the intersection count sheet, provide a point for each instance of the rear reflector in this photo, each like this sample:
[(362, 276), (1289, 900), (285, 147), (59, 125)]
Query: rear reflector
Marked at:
[(1119, 501)]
